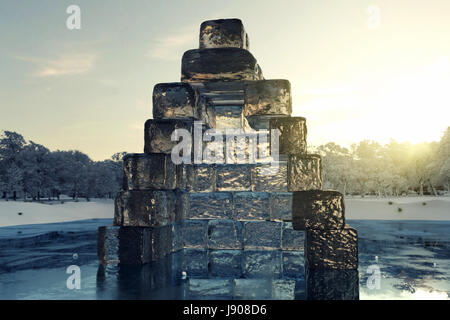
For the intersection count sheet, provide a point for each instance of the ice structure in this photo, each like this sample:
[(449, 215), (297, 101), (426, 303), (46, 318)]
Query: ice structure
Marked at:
[(243, 228)]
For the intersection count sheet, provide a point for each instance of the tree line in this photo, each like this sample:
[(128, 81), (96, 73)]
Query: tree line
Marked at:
[(31, 171), (392, 169)]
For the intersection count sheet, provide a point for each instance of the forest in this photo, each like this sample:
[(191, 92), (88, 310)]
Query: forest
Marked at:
[(393, 169), (30, 171)]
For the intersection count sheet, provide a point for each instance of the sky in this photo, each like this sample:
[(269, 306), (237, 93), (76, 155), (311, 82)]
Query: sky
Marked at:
[(377, 69)]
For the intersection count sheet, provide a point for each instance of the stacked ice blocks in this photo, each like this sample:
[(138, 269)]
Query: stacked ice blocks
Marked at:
[(331, 246), (227, 207)]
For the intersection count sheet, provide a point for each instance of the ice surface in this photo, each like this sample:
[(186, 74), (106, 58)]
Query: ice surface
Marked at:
[(412, 255)]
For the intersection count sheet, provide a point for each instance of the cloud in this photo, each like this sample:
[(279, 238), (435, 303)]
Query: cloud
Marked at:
[(71, 64), (171, 46)]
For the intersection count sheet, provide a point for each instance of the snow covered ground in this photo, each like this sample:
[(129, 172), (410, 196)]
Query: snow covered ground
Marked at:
[(411, 208), (35, 213)]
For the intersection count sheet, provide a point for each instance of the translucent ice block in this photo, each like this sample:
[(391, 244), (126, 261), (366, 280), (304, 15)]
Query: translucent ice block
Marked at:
[(262, 235), (251, 205), (262, 264), (281, 206), (233, 177), (214, 205), (225, 263), (225, 234)]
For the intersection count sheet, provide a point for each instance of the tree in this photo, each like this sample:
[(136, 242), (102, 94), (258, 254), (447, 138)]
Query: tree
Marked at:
[(440, 167), (11, 143), (38, 178)]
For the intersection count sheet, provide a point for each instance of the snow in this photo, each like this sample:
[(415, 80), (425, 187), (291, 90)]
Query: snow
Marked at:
[(412, 208), (36, 213)]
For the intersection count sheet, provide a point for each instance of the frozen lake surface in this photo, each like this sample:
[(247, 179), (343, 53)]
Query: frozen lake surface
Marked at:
[(413, 257)]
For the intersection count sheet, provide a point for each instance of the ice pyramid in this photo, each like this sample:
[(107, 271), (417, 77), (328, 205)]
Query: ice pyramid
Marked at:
[(246, 192)]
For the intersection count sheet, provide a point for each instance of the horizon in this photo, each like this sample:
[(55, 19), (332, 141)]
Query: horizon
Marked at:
[(356, 73)]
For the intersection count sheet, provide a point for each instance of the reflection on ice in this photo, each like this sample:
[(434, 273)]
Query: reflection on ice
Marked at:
[(413, 258)]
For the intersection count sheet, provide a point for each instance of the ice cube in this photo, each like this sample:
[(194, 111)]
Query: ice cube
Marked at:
[(148, 171), (332, 249), (108, 245), (262, 235), (281, 206), (251, 205), (304, 172), (268, 97), (233, 177), (283, 289), (317, 209), (158, 135), (293, 264), (176, 100), (135, 245), (252, 289), (210, 289), (195, 262), (223, 33), (225, 234), (214, 205), (194, 233), (225, 263), (270, 177), (292, 134), (144, 208), (262, 264), (292, 239), (227, 64), (332, 284), (196, 177)]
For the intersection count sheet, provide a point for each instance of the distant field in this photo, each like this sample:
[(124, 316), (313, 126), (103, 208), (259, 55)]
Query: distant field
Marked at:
[(33, 213), (412, 208)]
